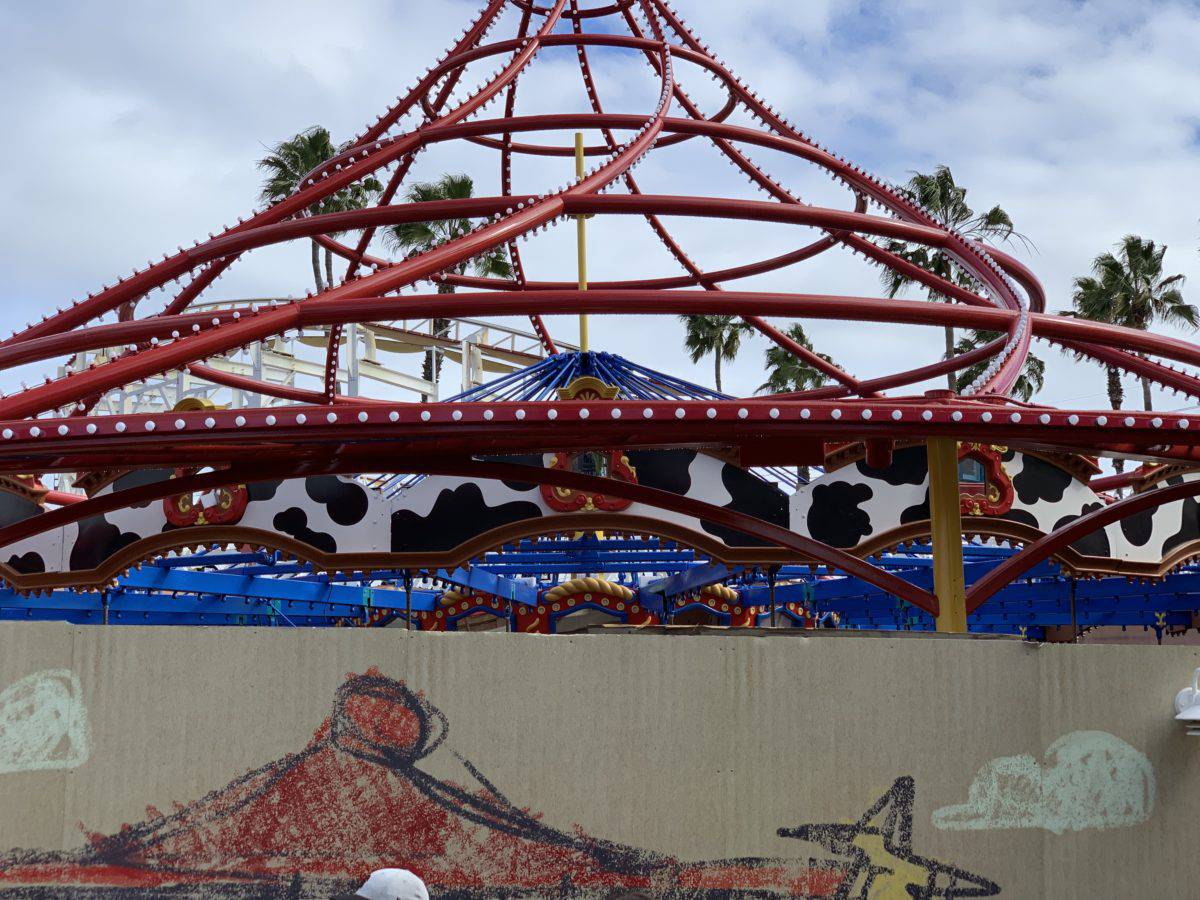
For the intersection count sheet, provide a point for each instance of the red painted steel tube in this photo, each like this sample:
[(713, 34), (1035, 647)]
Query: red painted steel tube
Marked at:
[(1059, 540)]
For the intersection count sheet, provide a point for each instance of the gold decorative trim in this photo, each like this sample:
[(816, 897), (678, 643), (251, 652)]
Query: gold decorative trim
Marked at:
[(588, 387), (588, 586)]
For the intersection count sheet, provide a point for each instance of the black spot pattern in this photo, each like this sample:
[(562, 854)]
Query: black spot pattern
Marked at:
[(834, 517), (1189, 526), (139, 477), (458, 515), (345, 501), (667, 470), (909, 466), (1039, 480), (98, 540), (916, 513), (751, 495), (534, 460), (1020, 515), (262, 490), (1138, 527), (294, 521), (27, 563), (1094, 544)]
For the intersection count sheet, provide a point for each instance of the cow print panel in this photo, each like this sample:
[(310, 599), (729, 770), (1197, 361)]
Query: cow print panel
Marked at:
[(909, 466), (294, 521), (1094, 544), (1020, 515), (260, 491), (834, 518), (27, 563), (345, 501), (533, 460), (750, 495), (668, 470), (1138, 527), (916, 513), (1039, 480), (457, 516), (98, 540), (139, 477), (1189, 526)]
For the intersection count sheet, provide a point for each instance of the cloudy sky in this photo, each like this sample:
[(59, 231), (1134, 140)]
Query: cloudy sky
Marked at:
[(135, 126)]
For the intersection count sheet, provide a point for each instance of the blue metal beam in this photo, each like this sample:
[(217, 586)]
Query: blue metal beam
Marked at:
[(486, 582), (691, 580)]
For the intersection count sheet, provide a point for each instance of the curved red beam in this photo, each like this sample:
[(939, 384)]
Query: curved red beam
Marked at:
[(1045, 547), (806, 548), (660, 499), (175, 266), (255, 325)]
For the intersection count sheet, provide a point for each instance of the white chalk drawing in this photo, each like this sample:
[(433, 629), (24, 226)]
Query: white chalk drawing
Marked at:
[(1087, 779), (43, 723)]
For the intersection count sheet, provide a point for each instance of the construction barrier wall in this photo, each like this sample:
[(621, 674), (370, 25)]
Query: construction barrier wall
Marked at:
[(243, 763)]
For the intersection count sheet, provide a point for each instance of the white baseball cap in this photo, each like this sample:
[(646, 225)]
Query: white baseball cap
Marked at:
[(393, 884)]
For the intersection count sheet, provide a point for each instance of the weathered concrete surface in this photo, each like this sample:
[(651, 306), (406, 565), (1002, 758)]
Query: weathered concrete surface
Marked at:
[(697, 747)]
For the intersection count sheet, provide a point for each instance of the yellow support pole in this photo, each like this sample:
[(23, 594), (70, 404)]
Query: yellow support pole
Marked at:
[(581, 243), (946, 526)]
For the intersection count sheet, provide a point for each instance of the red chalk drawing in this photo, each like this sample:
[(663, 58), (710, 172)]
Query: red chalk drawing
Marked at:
[(358, 798)]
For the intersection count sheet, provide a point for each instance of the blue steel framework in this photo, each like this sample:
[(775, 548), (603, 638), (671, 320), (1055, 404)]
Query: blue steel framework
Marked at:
[(219, 588)]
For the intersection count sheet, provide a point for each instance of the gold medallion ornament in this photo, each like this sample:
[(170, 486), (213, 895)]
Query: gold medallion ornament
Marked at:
[(597, 463)]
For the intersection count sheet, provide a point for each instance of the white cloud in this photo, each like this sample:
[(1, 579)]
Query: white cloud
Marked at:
[(137, 125), (1086, 780)]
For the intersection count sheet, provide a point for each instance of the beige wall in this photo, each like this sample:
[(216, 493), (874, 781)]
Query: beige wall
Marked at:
[(698, 747)]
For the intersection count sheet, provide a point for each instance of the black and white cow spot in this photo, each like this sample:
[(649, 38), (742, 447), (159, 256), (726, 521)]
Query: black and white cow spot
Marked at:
[(1038, 481), (261, 491), (667, 470), (29, 563), (909, 466), (139, 477), (98, 540), (1189, 526), (294, 521), (918, 512), (345, 501), (457, 515), (834, 518), (1022, 516), (533, 460), (1094, 544), (1138, 527), (751, 495)]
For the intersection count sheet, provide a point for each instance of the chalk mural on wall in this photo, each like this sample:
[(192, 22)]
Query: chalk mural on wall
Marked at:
[(43, 723), (360, 796), (1087, 779)]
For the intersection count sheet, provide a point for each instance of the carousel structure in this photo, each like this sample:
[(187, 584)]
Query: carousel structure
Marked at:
[(177, 467)]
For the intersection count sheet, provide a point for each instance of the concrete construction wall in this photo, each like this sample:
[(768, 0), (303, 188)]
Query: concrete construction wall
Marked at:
[(240, 763)]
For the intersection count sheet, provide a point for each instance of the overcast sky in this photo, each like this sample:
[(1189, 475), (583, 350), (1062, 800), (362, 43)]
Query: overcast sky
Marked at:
[(135, 126)]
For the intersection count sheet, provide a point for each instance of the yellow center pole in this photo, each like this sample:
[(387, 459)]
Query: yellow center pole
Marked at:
[(581, 243), (946, 526)]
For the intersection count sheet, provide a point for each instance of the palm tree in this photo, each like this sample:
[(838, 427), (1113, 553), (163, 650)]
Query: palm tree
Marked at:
[(1029, 382), (1129, 289), (787, 372), (719, 335), (412, 238), (946, 201), (289, 162)]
